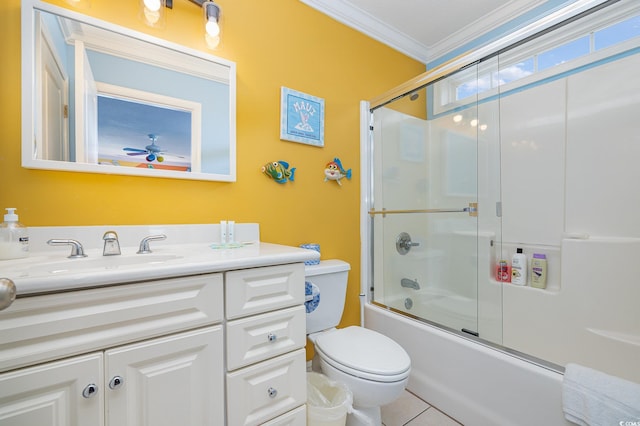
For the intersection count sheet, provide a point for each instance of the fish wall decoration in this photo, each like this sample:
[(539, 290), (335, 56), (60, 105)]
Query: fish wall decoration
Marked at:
[(334, 171), (279, 171)]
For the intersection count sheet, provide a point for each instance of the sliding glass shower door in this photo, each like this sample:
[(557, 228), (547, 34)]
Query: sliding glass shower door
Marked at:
[(426, 204)]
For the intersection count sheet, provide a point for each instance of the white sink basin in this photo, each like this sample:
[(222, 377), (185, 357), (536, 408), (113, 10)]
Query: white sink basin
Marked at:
[(45, 265), (103, 262)]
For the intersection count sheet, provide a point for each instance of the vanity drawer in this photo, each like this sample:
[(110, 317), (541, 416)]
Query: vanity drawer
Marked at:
[(266, 390), (256, 338), (42, 328), (297, 417), (253, 291)]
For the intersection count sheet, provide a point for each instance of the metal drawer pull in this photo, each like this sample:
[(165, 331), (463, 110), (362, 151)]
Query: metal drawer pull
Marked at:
[(90, 391), (272, 337), (116, 382), (272, 392), (7, 293)]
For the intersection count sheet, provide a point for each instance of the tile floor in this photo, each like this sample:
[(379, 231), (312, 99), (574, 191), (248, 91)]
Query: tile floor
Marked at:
[(409, 410)]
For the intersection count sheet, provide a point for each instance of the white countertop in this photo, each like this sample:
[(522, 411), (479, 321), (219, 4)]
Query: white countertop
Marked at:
[(46, 271)]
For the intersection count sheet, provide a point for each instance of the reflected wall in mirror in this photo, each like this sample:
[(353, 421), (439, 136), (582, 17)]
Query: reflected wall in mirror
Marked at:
[(106, 99)]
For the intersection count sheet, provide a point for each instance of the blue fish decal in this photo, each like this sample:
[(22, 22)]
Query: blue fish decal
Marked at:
[(279, 171)]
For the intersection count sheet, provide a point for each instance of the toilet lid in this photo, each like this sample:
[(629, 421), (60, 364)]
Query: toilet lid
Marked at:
[(364, 353)]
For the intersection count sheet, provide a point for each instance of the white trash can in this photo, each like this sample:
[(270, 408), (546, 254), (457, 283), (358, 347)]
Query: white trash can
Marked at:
[(328, 402)]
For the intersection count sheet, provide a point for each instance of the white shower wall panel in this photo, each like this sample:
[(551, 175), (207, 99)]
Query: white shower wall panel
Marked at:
[(532, 127), (593, 320), (603, 150)]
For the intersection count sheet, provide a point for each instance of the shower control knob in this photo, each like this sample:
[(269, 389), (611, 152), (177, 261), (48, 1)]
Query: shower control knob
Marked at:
[(404, 243)]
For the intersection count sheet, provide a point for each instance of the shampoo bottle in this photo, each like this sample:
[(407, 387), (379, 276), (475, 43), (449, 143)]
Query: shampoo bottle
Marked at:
[(539, 271), (503, 272), (519, 268), (14, 239)]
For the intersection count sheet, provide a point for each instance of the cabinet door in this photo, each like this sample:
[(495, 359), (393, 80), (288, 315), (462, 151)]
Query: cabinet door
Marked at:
[(52, 394), (169, 381)]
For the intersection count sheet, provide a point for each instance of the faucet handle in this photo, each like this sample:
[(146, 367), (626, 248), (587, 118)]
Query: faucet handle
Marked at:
[(144, 244), (110, 236), (76, 248)]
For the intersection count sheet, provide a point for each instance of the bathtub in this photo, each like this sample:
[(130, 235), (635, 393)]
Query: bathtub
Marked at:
[(474, 383), (439, 306)]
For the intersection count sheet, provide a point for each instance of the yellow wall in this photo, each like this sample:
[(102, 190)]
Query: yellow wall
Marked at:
[(274, 44)]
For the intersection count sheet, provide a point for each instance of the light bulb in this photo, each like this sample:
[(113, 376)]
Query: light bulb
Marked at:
[(474, 122), (457, 118), (152, 5), (212, 28)]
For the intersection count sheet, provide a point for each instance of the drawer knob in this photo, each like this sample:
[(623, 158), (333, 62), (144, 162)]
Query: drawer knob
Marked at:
[(7, 293), (90, 390), (116, 382), (272, 392), (272, 337)]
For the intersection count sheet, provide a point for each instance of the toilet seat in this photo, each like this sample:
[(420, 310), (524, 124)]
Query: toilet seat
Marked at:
[(364, 353)]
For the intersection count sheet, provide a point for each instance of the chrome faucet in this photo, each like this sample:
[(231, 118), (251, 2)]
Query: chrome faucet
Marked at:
[(111, 244), (77, 251), (406, 282), (144, 244)]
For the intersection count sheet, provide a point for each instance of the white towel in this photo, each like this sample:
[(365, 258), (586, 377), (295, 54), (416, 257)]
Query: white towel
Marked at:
[(593, 398)]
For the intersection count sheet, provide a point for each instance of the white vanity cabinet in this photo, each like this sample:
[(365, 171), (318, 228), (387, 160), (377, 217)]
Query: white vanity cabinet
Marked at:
[(167, 381), (210, 339), (266, 334), (152, 356)]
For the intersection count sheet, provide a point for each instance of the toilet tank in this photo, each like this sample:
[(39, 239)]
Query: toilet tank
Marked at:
[(328, 281)]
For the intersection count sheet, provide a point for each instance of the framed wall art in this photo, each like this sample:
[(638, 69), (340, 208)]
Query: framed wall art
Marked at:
[(301, 117)]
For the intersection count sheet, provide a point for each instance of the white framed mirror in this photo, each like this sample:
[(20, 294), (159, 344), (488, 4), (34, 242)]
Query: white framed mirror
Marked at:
[(100, 98)]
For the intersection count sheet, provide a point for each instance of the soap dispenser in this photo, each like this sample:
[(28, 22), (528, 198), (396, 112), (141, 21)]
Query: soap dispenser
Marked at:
[(14, 239)]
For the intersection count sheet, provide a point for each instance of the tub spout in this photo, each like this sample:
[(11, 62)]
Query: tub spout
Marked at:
[(406, 282)]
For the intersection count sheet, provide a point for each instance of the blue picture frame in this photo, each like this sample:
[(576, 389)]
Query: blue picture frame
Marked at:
[(301, 117)]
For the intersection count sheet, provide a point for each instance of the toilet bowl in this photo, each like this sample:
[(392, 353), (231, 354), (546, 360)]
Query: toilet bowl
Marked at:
[(374, 367)]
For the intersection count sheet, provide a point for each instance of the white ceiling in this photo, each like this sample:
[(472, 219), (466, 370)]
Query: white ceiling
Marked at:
[(423, 29)]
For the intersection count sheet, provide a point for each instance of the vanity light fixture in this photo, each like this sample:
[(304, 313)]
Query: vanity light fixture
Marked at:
[(212, 14), (152, 13), (212, 18)]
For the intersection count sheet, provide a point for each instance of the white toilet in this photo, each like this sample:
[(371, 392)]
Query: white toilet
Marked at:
[(374, 367)]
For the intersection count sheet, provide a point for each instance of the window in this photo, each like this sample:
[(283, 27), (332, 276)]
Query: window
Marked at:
[(617, 33), (541, 58)]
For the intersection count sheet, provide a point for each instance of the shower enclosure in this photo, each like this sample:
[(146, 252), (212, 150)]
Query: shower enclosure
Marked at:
[(435, 206), (528, 143)]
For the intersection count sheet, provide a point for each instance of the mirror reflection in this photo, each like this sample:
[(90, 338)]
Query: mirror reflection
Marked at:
[(108, 99)]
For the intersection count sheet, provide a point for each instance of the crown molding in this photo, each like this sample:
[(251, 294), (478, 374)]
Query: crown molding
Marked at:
[(482, 26), (343, 11)]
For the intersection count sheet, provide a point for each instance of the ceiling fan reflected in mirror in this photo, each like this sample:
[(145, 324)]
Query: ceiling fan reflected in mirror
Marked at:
[(153, 152)]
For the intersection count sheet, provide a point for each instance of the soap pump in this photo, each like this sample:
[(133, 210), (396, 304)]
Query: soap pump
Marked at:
[(14, 239)]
